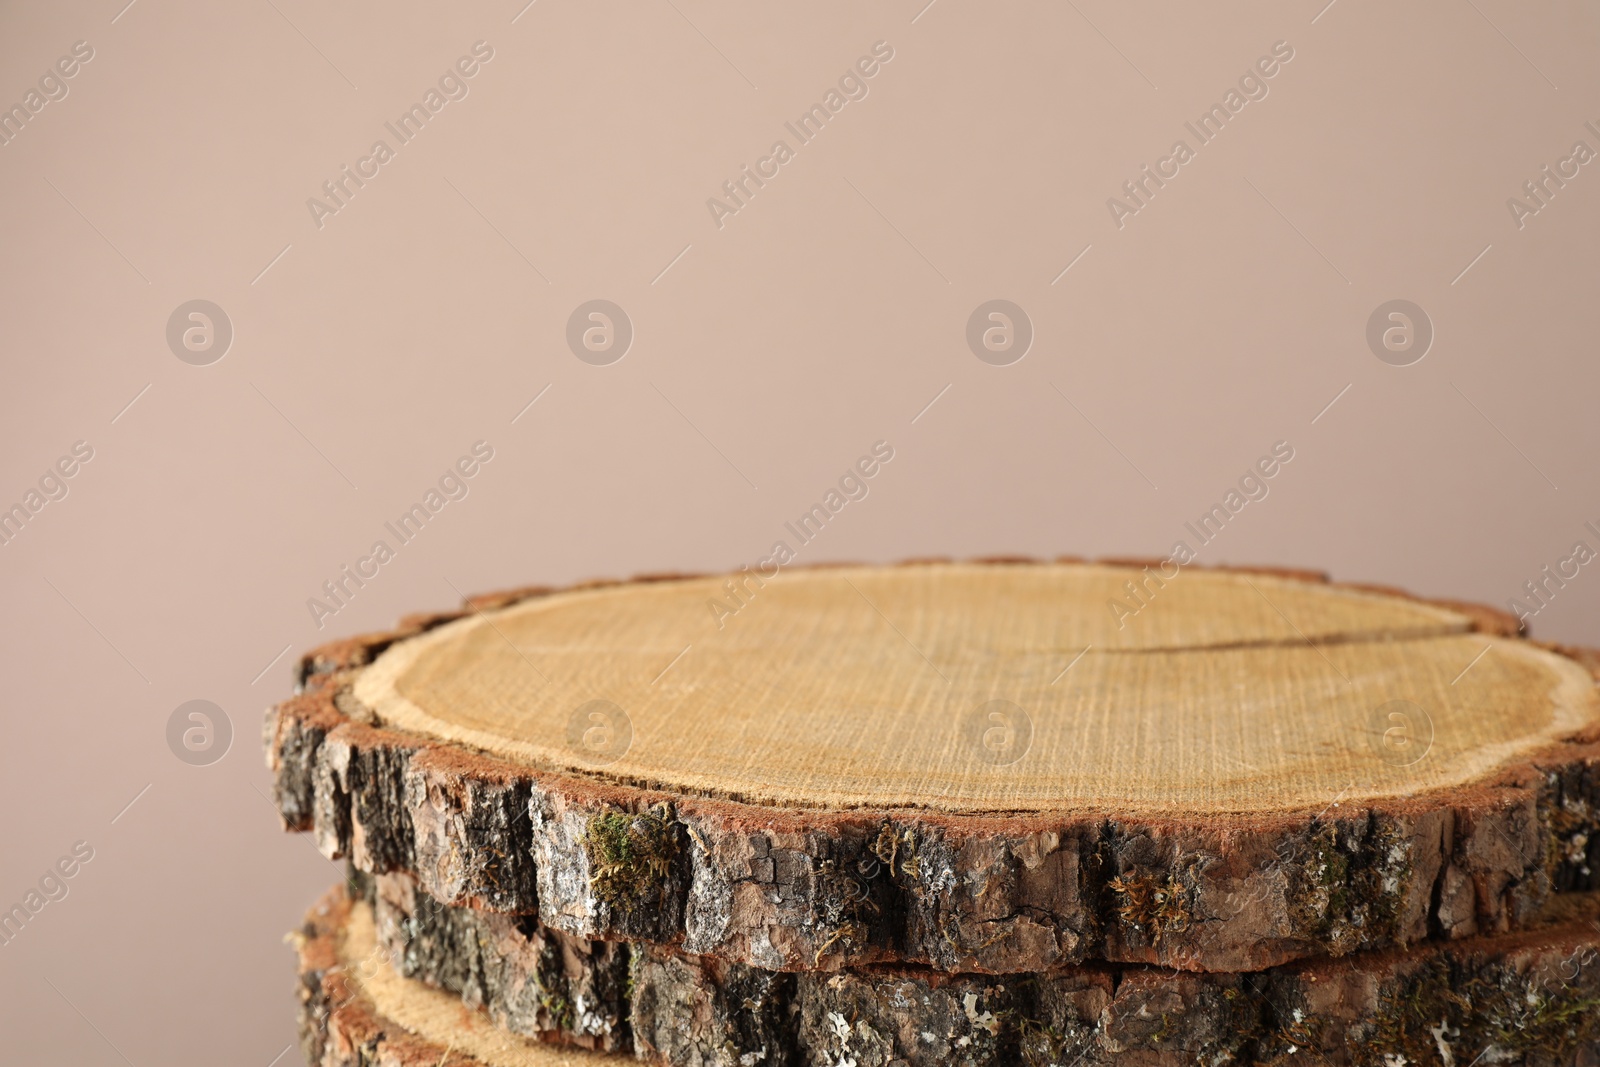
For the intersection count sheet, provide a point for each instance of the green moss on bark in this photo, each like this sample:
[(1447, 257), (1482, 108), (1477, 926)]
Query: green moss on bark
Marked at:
[(630, 857), (1494, 1015)]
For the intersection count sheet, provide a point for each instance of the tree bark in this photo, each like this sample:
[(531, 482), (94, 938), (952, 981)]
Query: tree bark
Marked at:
[(1530, 998)]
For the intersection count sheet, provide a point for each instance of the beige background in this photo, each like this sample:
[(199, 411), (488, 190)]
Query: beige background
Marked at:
[(824, 316)]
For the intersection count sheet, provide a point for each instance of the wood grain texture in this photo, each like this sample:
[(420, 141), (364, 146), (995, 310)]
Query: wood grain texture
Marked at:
[(791, 888), (877, 687), (1530, 998)]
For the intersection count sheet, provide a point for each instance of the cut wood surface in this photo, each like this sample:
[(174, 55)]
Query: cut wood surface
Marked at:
[(1530, 998), (1251, 769), (948, 688)]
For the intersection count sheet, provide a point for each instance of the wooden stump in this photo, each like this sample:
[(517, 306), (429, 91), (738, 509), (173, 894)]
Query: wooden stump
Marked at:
[(1531, 997), (980, 767)]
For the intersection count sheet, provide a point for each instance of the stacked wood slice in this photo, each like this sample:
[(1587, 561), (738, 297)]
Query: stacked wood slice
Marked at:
[(985, 813)]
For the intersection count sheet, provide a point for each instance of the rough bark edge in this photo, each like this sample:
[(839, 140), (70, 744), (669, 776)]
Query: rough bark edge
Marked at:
[(1531, 997), (528, 979), (341, 1026), (795, 889)]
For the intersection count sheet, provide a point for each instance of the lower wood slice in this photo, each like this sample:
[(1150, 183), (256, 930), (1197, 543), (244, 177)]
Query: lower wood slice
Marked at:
[(356, 1011), (1531, 997)]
